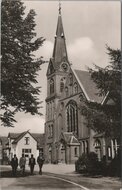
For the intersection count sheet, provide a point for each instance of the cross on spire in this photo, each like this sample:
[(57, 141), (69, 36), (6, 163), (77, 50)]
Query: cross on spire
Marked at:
[(59, 7)]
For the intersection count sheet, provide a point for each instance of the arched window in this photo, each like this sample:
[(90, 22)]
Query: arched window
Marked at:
[(70, 79), (66, 91), (75, 152), (61, 85), (83, 144), (49, 130), (97, 145), (87, 147), (72, 117), (60, 124), (75, 88), (51, 86)]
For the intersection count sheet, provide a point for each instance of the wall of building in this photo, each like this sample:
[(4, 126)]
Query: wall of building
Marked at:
[(32, 145)]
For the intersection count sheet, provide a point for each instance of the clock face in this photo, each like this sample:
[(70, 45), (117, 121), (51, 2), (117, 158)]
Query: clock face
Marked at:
[(64, 66)]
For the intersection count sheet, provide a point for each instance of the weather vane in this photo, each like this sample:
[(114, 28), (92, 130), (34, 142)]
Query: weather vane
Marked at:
[(59, 7)]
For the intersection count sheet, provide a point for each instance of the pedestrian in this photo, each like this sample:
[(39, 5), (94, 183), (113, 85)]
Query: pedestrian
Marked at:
[(40, 161), (22, 163), (32, 164), (14, 164)]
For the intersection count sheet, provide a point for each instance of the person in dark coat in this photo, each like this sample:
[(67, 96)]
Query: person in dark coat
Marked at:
[(40, 161), (32, 164), (14, 165)]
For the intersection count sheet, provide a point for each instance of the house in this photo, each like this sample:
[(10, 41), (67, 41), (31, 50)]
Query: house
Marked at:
[(25, 143), (66, 135)]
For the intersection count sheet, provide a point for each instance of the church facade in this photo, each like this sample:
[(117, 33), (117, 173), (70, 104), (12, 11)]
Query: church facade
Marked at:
[(66, 135)]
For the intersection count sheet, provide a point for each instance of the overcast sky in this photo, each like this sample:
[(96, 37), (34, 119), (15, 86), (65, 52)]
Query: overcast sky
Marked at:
[(88, 26)]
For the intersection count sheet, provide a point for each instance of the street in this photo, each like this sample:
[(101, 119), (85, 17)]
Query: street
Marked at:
[(54, 178), (37, 182)]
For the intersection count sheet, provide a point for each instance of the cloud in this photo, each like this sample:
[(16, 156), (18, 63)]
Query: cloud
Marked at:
[(82, 52)]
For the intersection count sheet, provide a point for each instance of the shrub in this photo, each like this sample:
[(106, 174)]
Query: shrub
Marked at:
[(88, 163)]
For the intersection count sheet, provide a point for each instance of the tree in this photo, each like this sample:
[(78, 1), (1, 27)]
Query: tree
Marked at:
[(106, 118), (19, 91)]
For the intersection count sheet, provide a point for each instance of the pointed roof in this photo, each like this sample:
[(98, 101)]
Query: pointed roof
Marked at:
[(59, 51), (69, 138), (88, 86), (37, 136)]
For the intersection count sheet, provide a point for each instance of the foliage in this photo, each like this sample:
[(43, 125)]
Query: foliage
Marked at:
[(114, 167), (88, 163), (19, 66), (106, 117)]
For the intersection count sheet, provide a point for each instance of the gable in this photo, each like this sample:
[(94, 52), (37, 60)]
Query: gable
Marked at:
[(23, 135), (107, 100), (50, 69), (72, 86)]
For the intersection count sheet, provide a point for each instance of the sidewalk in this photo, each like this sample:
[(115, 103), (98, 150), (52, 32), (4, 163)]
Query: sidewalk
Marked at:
[(68, 172), (68, 169)]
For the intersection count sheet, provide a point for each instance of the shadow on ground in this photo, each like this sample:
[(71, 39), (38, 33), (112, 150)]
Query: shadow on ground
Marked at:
[(8, 174)]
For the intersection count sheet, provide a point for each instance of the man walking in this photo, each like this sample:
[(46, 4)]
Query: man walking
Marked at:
[(14, 164), (40, 161), (32, 164), (22, 163)]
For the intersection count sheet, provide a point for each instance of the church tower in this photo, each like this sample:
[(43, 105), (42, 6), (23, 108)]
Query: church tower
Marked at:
[(57, 71)]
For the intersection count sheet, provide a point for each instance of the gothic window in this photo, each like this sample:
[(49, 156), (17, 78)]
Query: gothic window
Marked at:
[(83, 144), (75, 152), (98, 148), (87, 148), (51, 131), (66, 91), (51, 86), (75, 88), (72, 117), (61, 85), (109, 153), (70, 79), (60, 124)]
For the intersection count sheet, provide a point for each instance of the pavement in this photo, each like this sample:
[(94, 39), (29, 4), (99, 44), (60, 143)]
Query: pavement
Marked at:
[(65, 172), (63, 169)]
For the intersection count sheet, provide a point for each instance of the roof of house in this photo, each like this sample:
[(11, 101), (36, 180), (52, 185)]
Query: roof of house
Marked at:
[(40, 139), (88, 85), (13, 135), (37, 136), (19, 137)]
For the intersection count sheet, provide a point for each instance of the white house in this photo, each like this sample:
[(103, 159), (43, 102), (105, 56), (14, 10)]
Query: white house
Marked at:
[(25, 143)]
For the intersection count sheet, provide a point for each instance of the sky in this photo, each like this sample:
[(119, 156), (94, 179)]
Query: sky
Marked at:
[(88, 27)]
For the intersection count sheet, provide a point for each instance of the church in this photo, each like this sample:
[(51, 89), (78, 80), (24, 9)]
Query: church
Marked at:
[(66, 135)]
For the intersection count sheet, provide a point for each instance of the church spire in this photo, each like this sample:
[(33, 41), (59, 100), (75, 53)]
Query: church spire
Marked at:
[(59, 7), (59, 51)]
